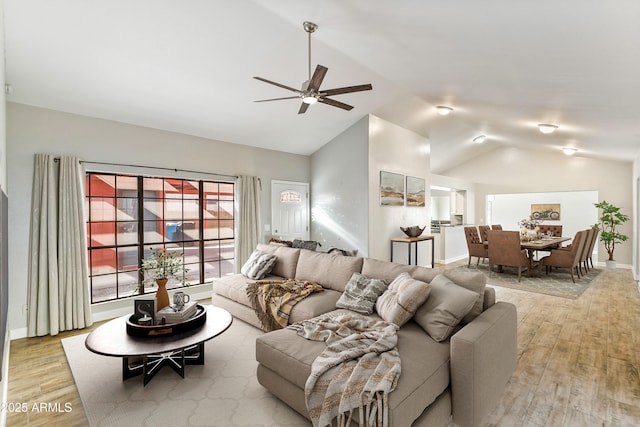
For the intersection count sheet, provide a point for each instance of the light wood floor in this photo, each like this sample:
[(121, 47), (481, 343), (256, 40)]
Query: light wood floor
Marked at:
[(579, 363)]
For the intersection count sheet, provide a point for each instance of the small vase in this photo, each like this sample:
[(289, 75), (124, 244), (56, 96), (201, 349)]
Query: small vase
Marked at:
[(162, 296)]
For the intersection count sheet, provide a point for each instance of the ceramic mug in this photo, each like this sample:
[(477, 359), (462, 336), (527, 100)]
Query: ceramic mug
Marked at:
[(180, 299)]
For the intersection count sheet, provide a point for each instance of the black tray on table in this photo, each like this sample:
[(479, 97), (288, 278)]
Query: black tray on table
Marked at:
[(169, 329)]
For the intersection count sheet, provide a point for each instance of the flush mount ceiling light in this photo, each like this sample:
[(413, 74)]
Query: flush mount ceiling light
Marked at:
[(569, 151), (480, 139), (443, 110), (547, 128)]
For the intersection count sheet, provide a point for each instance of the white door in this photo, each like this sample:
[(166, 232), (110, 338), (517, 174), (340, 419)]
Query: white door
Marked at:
[(290, 210)]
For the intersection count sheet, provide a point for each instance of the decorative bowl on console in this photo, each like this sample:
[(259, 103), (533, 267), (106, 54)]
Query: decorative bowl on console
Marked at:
[(413, 231)]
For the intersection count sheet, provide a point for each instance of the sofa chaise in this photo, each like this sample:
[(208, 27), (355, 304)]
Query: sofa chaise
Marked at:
[(457, 378)]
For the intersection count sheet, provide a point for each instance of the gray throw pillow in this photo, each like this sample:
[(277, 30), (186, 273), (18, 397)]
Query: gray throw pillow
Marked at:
[(447, 304), (258, 265), (361, 293)]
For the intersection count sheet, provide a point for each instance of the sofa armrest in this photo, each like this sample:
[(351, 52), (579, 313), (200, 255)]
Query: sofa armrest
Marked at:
[(483, 357)]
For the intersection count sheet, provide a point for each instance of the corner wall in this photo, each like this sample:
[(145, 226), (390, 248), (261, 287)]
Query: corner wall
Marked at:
[(339, 191), (32, 130)]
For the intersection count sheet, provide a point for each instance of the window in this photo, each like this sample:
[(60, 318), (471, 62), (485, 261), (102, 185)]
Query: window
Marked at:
[(128, 215)]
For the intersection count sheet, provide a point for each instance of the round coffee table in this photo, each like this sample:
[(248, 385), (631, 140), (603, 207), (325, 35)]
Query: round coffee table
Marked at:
[(146, 355)]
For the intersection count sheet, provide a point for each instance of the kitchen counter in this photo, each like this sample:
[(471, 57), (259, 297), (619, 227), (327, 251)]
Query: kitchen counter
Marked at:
[(450, 244)]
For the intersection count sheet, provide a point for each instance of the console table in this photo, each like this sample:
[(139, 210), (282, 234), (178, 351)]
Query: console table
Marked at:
[(414, 240)]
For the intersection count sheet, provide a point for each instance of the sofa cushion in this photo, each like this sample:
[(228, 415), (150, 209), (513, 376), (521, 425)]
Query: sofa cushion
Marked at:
[(234, 287), (332, 271), (361, 293), (425, 274), (447, 304), (314, 305), (384, 269), (425, 366), (258, 265), (400, 301), (287, 259), (473, 281)]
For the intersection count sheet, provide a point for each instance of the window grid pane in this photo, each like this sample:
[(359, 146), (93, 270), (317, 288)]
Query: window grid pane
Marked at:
[(171, 217)]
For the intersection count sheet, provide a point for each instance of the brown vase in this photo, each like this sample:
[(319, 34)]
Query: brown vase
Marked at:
[(162, 297)]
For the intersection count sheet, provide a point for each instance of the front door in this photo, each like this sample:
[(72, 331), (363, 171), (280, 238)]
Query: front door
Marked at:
[(290, 210)]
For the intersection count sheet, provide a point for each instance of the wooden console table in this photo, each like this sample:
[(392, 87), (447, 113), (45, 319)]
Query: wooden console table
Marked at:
[(414, 240)]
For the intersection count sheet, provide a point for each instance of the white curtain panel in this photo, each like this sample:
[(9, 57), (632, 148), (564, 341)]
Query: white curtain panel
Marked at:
[(58, 294), (249, 218)]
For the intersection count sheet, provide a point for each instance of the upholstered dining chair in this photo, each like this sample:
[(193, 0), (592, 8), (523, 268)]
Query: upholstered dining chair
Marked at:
[(556, 230), (504, 250), (496, 227), (592, 244), (483, 229), (568, 257), (475, 245), (584, 257)]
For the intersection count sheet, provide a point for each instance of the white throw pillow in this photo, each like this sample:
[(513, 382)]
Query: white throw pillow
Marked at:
[(400, 301), (258, 265)]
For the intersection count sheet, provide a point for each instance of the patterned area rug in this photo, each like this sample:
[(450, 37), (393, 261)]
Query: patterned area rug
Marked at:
[(222, 392), (557, 283)]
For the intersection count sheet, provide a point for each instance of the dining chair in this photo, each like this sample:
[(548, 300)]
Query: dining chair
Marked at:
[(504, 250), (556, 230), (475, 246), (496, 227), (483, 231), (584, 257), (592, 244), (568, 257)]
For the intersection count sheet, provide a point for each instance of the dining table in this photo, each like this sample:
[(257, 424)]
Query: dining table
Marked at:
[(543, 244)]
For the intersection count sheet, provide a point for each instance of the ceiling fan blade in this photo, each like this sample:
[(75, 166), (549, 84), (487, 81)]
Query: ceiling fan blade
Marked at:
[(347, 89), (303, 108), (279, 85), (335, 103), (316, 79), (277, 99)]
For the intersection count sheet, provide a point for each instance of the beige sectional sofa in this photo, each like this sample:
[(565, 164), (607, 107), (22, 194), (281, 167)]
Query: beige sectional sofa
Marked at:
[(459, 379)]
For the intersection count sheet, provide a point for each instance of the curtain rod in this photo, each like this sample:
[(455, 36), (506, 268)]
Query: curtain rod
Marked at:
[(56, 159)]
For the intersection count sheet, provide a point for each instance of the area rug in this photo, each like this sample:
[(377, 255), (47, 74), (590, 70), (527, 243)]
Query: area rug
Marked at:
[(557, 283), (222, 392)]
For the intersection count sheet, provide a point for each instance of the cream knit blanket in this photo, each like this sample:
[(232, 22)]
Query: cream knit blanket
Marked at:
[(357, 370)]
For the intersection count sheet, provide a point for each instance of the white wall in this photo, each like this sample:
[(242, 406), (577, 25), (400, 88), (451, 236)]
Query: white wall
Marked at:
[(576, 209), (513, 170), (32, 130), (635, 217), (3, 184), (339, 191), (398, 150)]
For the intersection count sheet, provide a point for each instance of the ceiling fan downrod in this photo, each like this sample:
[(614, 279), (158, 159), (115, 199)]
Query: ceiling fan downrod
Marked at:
[(309, 27)]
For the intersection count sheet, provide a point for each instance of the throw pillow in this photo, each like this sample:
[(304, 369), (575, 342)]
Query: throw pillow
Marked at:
[(401, 300), (475, 282), (448, 303), (361, 293), (258, 265)]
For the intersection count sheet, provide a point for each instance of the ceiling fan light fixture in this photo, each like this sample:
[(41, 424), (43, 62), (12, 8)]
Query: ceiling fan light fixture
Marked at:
[(547, 128), (480, 139), (309, 99), (569, 151), (443, 110)]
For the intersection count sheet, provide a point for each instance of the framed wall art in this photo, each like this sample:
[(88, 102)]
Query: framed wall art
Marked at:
[(391, 189), (549, 211), (415, 191)]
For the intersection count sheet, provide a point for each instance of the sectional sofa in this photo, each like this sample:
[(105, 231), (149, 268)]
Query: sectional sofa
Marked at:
[(457, 378)]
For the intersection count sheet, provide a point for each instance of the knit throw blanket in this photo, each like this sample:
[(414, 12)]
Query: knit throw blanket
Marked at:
[(272, 300), (356, 371)]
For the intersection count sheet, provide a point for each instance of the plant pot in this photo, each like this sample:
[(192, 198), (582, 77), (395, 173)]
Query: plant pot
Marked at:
[(162, 296), (611, 264)]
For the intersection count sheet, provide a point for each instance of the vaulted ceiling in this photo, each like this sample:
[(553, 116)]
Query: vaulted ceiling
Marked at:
[(187, 66)]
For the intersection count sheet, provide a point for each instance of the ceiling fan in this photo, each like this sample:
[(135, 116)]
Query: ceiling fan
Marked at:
[(311, 92)]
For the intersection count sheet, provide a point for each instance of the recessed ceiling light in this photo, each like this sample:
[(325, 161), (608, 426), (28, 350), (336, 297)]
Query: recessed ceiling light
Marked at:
[(547, 128), (569, 151), (480, 139), (443, 110)]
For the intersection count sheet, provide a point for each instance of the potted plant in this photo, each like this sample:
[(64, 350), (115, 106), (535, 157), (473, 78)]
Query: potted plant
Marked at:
[(610, 217), (162, 266)]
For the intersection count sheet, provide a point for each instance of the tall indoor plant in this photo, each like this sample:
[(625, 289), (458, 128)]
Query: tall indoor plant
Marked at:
[(161, 266), (610, 217)]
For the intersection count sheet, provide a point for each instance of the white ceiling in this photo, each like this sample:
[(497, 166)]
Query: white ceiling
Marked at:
[(187, 66)]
